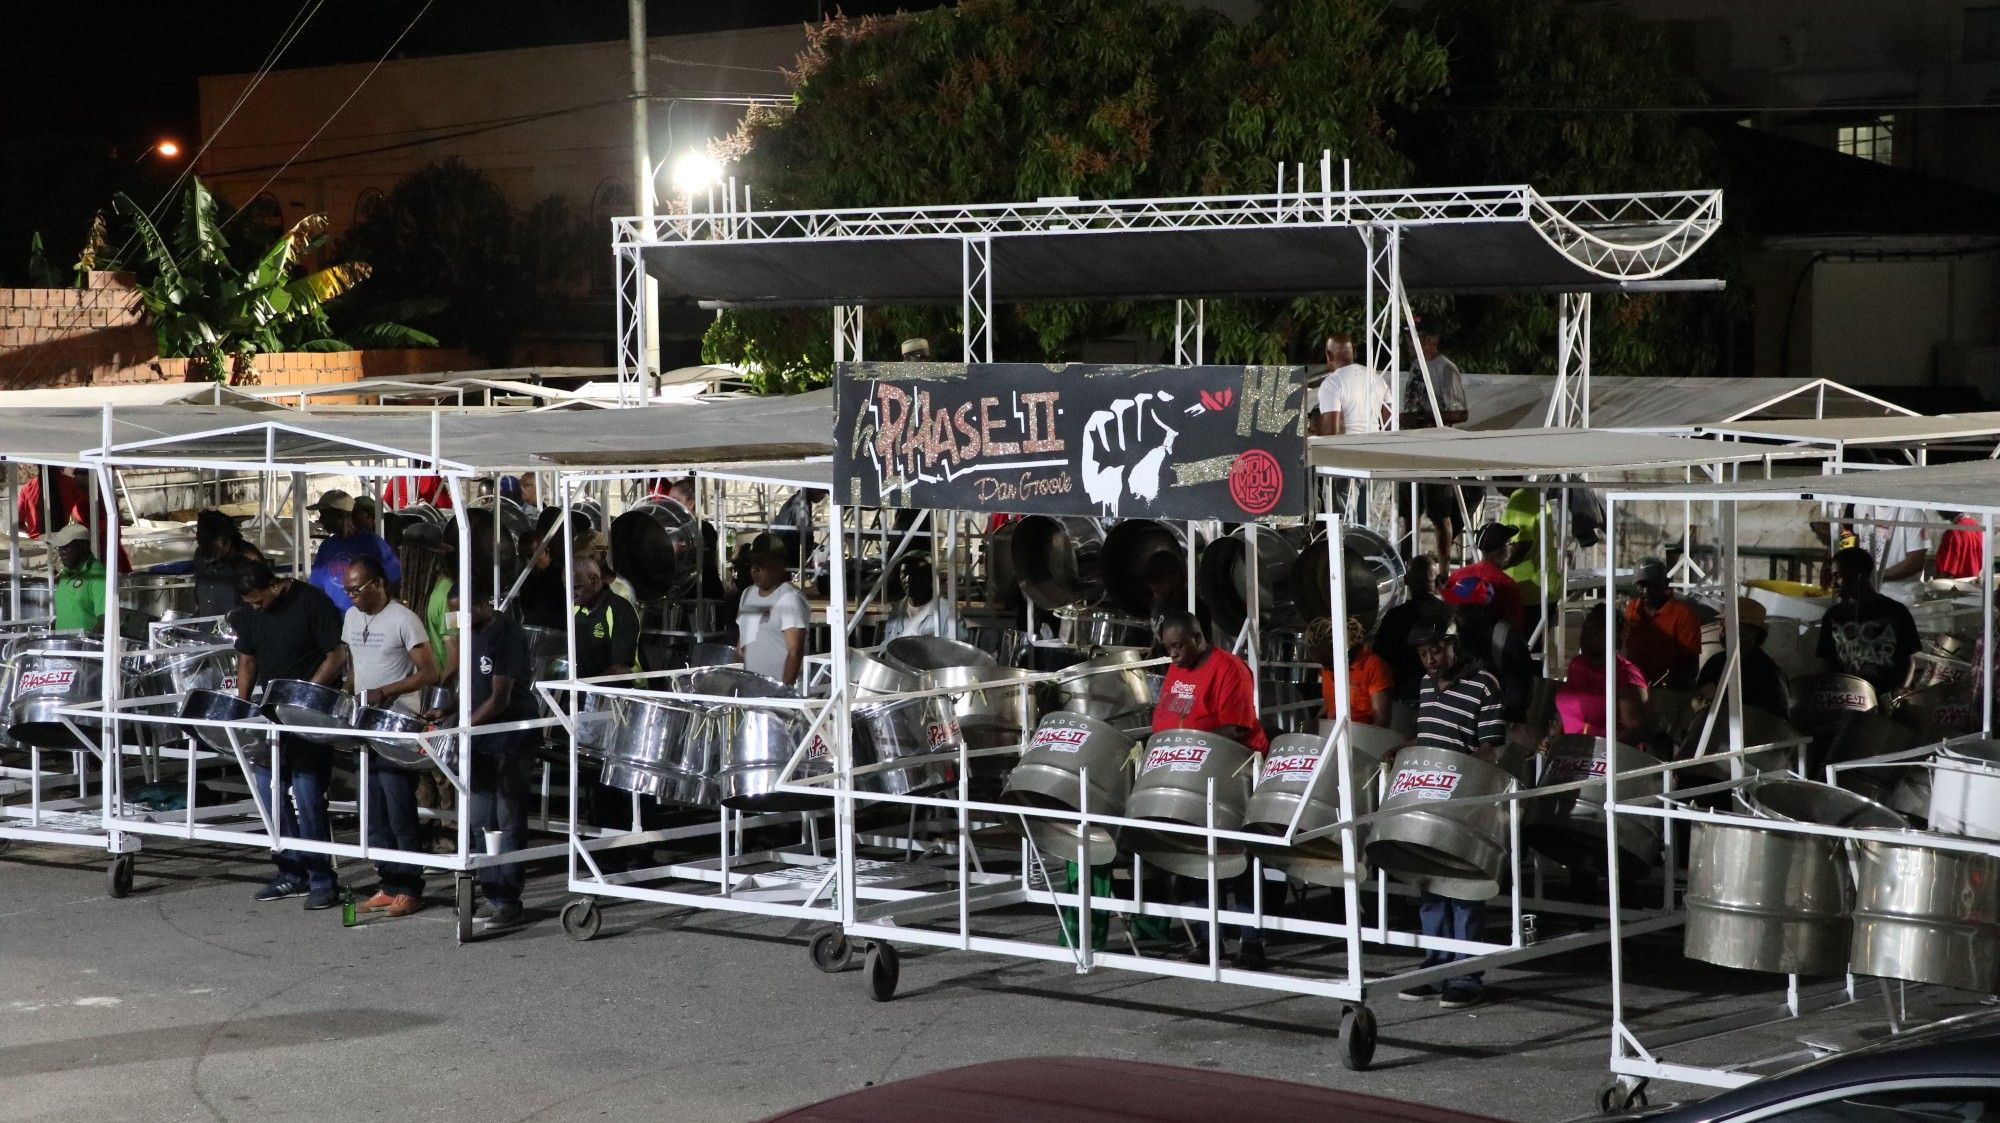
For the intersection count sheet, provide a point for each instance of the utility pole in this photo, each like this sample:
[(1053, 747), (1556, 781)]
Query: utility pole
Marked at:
[(642, 179)]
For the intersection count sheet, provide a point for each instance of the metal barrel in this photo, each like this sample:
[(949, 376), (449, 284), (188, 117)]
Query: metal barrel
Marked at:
[(1429, 840), (1288, 773), (1926, 915), (1569, 826), (1050, 774), (1764, 900), (1176, 771), (1965, 789)]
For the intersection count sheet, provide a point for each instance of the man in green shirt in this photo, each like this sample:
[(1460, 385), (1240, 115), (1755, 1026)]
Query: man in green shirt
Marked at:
[(1523, 511), (79, 592)]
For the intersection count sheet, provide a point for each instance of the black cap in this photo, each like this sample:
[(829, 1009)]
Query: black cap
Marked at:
[(1492, 536)]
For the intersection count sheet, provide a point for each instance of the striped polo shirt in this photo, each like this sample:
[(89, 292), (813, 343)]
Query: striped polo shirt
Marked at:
[(1462, 717)]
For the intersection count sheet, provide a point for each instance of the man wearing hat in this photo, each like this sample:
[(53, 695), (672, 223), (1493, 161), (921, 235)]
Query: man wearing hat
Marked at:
[(78, 598), (772, 617), (1493, 542), (345, 542), (916, 349), (1764, 686), (1458, 710), (1662, 635)]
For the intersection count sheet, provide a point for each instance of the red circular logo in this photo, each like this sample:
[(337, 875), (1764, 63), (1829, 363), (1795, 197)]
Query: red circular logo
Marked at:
[(1256, 482)]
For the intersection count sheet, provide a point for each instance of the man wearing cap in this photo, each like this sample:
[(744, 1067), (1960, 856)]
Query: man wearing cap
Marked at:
[(772, 616), (1458, 710), (1866, 633), (344, 543), (78, 597), (1764, 686), (1493, 542), (921, 612), (1662, 635), (916, 349)]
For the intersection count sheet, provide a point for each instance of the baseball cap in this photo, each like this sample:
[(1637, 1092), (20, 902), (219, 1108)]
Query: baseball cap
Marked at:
[(70, 534), (1431, 627), (1464, 588), (915, 344), (768, 545), (335, 500), (1492, 536), (1650, 570)]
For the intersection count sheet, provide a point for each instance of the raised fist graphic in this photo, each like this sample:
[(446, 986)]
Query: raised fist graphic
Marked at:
[(1125, 448)]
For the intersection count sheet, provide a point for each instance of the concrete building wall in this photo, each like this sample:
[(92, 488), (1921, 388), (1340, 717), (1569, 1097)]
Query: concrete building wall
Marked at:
[(541, 121)]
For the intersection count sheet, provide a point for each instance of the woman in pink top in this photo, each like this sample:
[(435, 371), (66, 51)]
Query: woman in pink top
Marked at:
[(1580, 700)]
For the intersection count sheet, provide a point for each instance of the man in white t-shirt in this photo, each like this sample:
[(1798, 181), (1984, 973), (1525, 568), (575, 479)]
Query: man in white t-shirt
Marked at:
[(773, 617), (1352, 398), (921, 612), (1900, 552), (389, 663)]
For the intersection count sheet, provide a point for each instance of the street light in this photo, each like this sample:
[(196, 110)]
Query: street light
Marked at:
[(167, 149), (695, 172)]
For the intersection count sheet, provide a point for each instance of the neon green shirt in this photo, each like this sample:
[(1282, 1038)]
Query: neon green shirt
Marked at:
[(1523, 512), (437, 621), (78, 599)]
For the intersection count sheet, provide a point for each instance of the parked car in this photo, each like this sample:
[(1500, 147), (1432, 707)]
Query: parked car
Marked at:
[(1946, 1073), (1089, 1090)]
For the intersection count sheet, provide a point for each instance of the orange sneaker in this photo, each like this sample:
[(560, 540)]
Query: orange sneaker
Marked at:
[(404, 905), (380, 900)]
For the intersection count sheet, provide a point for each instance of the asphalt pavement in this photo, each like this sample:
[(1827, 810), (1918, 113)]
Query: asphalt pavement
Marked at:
[(189, 1001)]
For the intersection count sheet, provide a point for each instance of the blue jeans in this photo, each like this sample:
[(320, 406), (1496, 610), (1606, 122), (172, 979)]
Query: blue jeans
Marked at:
[(393, 824), (1456, 920), (306, 770), (501, 766)]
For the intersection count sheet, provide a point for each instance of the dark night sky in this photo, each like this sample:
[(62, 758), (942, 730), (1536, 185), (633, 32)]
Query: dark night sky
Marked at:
[(86, 85)]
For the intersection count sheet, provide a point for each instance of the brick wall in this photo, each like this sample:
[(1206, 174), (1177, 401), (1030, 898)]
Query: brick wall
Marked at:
[(96, 336)]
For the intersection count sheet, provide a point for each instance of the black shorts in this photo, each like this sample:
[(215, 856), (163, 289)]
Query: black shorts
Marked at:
[(1439, 502)]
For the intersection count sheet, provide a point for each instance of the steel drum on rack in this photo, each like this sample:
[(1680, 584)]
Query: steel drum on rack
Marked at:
[(1003, 590), (1290, 768), (994, 707), (1457, 851), (1058, 561), (218, 705), (327, 714), (654, 545), (1051, 775), (1759, 728), (1926, 915), (658, 748), (1820, 703), (1109, 687), (917, 654), (1042, 656), (1568, 827), (1176, 771), (45, 674), (905, 731), (1766, 900), (1939, 712), (370, 723), (1222, 576), (873, 677), (1374, 575), (1130, 549), (173, 676), (753, 743)]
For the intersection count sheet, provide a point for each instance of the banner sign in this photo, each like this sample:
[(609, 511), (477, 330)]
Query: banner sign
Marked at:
[(1207, 442)]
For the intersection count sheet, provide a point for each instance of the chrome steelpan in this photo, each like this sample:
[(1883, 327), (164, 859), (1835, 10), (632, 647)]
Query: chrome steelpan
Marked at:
[(1176, 772), (1428, 839), (1051, 774), (47, 673), (1290, 768)]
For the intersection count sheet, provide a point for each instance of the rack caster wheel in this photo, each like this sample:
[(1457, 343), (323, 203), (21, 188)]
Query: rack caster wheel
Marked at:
[(1357, 1038), (582, 919), (883, 972), (1619, 1096), (462, 901), (831, 951), (118, 876)]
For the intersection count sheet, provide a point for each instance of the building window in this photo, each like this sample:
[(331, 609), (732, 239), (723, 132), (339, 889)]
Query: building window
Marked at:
[(1982, 34), (1875, 140)]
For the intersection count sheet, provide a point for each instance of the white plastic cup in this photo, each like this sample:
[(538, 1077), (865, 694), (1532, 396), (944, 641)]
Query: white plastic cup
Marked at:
[(493, 842)]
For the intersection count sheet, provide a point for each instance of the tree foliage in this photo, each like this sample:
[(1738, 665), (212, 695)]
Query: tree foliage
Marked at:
[(446, 239), (1006, 100), (219, 314)]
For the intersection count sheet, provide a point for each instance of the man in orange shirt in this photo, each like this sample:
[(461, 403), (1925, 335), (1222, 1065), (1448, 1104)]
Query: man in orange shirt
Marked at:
[(1370, 683), (1662, 635)]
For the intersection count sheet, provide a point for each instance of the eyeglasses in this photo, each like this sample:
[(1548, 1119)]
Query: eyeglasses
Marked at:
[(356, 590)]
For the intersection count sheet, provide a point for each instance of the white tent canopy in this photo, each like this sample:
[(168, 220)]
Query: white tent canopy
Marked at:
[(1457, 454), (1972, 486), (1521, 401)]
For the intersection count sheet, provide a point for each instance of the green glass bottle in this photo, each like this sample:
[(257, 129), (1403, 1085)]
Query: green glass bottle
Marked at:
[(347, 918)]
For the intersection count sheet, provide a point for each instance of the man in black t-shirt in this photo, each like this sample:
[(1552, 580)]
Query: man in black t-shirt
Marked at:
[(1866, 633), (500, 684), (1392, 635), (288, 629)]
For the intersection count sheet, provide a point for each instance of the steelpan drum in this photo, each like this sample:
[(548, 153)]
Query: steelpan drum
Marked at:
[(753, 744), (888, 732), (370, 722), (1290, 768), (1058, 561), (1926, 915), (917, 654), (1175, 774), (1940, 712), (325, 713), (1050, 775), (994, 707), (217, 705), (1765, 900), (657, 748), (1759, 728), (1460, 849), (47, 673), (1109, 687), (1568, 827)]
